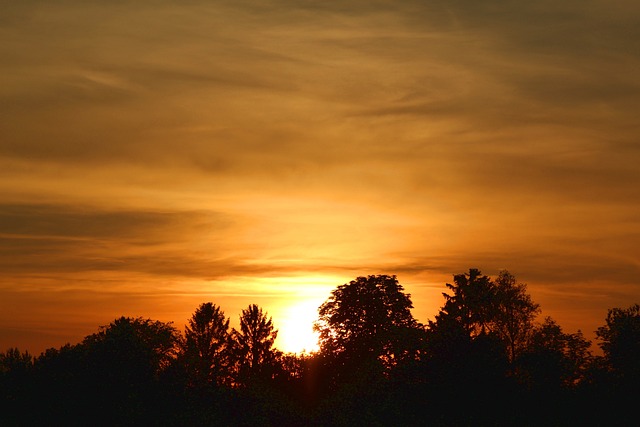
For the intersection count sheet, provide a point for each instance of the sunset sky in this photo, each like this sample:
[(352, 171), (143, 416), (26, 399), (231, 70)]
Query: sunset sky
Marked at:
[(155, 155)]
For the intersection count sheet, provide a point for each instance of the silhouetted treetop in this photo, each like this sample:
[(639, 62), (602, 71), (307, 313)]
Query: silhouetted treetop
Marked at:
[(13, 361), (552, 358), (254, 351), (151, 343), (471, 301), (478, 305), (620, 341), (513, 313), (367, 318), (206, 350)]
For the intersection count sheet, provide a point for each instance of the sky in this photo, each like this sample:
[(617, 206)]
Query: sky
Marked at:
[(156, 155)]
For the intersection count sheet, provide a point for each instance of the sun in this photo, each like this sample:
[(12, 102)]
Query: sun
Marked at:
[(296, 333)]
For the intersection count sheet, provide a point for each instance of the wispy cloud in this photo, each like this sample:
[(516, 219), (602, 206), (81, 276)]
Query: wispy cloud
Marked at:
[(164, 146)]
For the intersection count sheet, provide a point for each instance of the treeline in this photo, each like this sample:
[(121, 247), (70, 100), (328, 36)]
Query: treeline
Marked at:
[(486, 359)]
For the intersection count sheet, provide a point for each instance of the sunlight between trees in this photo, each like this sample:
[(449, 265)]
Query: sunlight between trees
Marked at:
[(485, 359)]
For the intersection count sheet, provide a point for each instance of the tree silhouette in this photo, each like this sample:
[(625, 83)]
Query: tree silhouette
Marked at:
[(513, 313), (367, 325), (469, 343), (126, 359), (466, 314), (482, 361), (15, 370), (254, 350), (471, 303), (553, 359), (66, 384), (135, 344), (13, 361), (480, 306), (620, 342), (206, 347)]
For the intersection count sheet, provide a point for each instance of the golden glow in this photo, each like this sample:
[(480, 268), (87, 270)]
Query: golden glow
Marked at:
[(155, 158), (296, 333), (293, 305)]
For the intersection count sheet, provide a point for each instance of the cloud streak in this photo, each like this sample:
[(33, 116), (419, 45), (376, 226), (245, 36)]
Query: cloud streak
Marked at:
[(156, 146)]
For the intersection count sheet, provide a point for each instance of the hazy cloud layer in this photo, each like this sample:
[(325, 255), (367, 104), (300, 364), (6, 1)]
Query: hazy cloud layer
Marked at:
[(172, 145)]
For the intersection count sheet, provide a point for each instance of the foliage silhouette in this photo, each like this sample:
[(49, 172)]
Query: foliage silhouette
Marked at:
[(366, 327), (513, 313), (126, 358), (16, 368), (620, 342), (14, 362), (482, 361), (206, 348), (144, 345), (474, 344), (253, 344), (553, 359)]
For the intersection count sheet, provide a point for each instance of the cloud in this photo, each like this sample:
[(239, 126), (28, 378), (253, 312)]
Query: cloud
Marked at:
[(58, 239), (152, 142)]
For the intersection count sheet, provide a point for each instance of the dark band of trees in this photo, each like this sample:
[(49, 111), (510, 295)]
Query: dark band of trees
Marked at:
[(486, 359)]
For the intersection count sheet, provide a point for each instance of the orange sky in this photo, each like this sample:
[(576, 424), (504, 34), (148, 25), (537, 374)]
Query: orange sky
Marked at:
[(155, 155)]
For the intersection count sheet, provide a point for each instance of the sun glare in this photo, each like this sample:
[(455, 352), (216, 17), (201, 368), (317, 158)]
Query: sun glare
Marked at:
[(294, 307), (296, 333)]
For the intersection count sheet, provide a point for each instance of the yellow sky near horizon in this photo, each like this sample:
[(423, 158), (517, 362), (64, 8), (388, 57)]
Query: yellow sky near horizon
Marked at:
[(156, 155)]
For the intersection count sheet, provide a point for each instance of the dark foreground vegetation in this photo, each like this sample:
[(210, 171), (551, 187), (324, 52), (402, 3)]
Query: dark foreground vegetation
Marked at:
[(485, 359)]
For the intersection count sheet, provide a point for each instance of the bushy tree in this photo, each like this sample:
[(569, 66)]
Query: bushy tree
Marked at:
[(620, 342), (15, 370), (462, 349), (136, 345), (367, 324), (14, 361), (126, 359), (553, 359), (513, 313), (479, 306)]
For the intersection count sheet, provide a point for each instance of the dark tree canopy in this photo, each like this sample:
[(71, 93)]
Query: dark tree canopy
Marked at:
[(480, 306), (14, 361), (479, 332), (553, 359), (368, 319), (470, 303), (483, 361), (513, 313), (254, 352), (15, 367), (151, 344), (206, 350), (620, 341)]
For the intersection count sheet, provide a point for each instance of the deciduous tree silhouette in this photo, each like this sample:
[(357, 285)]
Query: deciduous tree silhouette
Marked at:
[(65, 384), (469, 344), (13, 361), (481, 362), (620, 342), (15, 371), (366, 325), (137, 346), (513, 313), (126, 359), (206, 350), (480, 306), (553, 359)]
